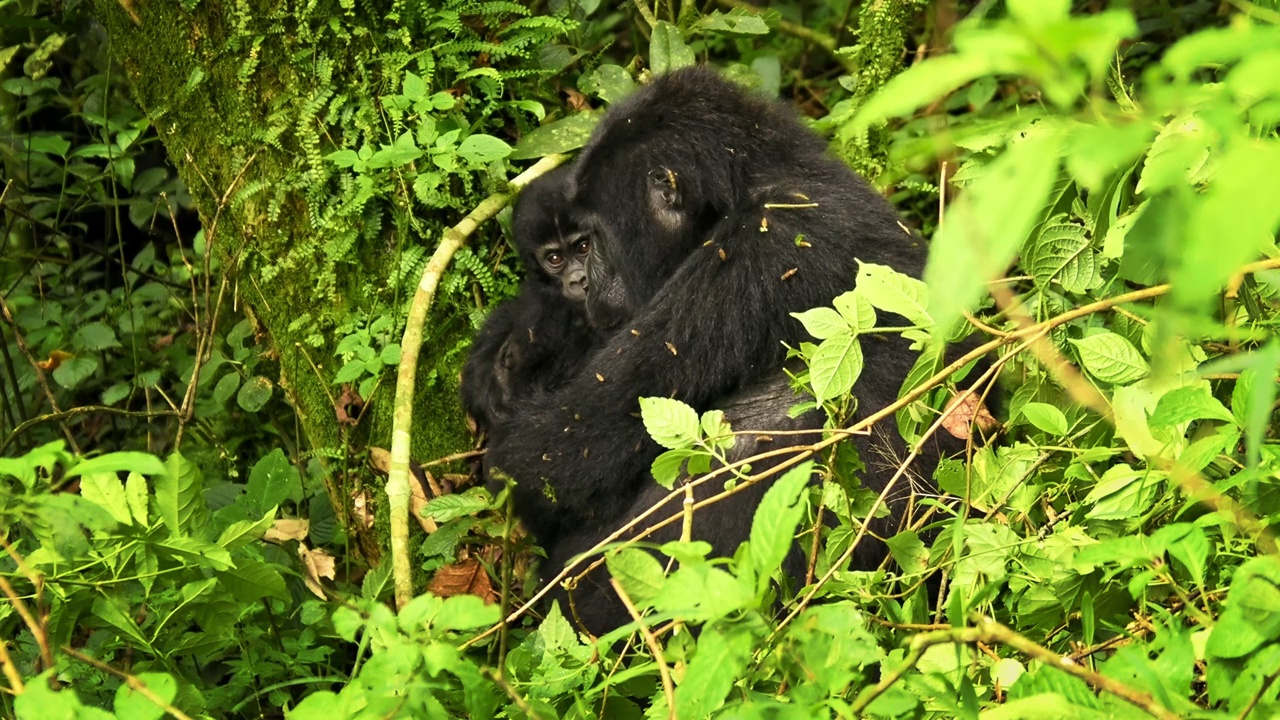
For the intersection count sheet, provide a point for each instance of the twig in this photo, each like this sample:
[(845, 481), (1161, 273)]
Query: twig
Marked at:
[(645, 12), (134, 683), (78, 410), (10, 670), (398, 492), (36, 629), (500, 681), (663, 671), (453, 458)]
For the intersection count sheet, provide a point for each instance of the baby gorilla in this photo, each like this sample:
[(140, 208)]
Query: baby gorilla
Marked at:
[(538, 339)]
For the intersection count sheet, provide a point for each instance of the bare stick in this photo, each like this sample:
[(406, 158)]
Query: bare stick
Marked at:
[(664, 672)]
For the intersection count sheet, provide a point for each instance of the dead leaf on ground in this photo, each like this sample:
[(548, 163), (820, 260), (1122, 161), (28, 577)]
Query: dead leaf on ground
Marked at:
[(463, 578), (316, 564), (284, 529), (418, 501), (360, 508), (576, 100), (969, 410)]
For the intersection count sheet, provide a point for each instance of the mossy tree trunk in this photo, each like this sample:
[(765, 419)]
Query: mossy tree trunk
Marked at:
[(248, 99)]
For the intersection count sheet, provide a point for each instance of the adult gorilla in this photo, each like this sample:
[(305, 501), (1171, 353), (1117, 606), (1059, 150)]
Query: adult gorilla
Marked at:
[(713, 215)]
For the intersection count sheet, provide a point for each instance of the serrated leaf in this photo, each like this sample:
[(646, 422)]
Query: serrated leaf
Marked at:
[(401, 152), (254, 394), (835, 367), (1046, 417), (823, 323), (135, 491), (480, 149), (251, 581), (106, 490), (638, 572), (390, 354), (413, 86), (1184, 404), (891, 291), (194, 551), (666, 467), (722, 656), (243, 532), (773, 528), (105, 609), (856, 310), (671, 423), (735, 22), (1111, 358), (449, 507), (1064, 253), (178, 494), (667, 50)]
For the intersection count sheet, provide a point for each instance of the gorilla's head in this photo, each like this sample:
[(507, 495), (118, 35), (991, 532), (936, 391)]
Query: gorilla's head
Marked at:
[(552, 246), (660, 170)]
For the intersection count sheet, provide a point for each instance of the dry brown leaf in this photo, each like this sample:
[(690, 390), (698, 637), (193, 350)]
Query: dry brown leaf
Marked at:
[(56, 358), (463, 578), (316, 564), (380, 459), (969, 409), (360, 508), (576, 100), (417, 501), (284, 529)]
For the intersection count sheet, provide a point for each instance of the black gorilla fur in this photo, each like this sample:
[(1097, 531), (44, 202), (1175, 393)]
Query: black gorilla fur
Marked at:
[(538, 339), (697, 195)]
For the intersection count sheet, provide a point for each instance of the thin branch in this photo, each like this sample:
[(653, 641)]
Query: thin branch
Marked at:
[(664, 672), (402, 418), (10, 670), (79, 410)]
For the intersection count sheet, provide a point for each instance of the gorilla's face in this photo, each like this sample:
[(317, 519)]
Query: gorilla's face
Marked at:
[(564, 258)]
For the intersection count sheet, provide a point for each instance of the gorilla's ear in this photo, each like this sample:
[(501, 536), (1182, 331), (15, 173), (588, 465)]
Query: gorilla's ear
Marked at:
[(664, 189), (666, 199)]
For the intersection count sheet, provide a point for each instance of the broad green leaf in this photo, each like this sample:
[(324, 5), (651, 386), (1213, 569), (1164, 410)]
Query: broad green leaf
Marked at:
[(1189, 545), (1111, 358), (1038, 13), (105, 489), (856, 310), (982, 231), (135, 491), (667, 50), (722, 655), (401, 152), (178, 494), (413, 86), (1252, 615), (239, 534), (226, 387), (95, 336), (1236, 218), (835, 367), (461, 612), (254, 394), (1046, 417), (115, 393), (140, 462), (1124, 493), (1179, 154), (560, 136), (638, 572), (823, 323), (891, 291), (195, 552), (610, 82), (917, 86), (773, 529), (1064, 253), (702, 592), (1097, 152), (1186, 404), (908, 551), (666, 467), (671, 423), (735, 22), (480, 149), (73, 371), (251, 580), (272, 481), (449, 507), (106, 609), (136, 706), (52, 144)]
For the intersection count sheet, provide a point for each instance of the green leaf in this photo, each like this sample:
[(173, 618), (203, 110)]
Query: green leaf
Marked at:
[(666, 467), (610, 82), (835, 367), (671, 423), (1237, 217), (1123, 493), (73, 371), (482, 149), (135, 491), (722, 656), (1184, 404), (254, 394), (823, 323), (105, 609), (461, 612), (638, 572), (401, 152), (115, 393), (272, 481), (195, 552), (52, 144), (226, 387), (1064, 253), (908, 551), (252, 580), (390, 354), (178, 494), (1046, 417), (917, 86), (735, 22), (563, 135), (667, 50), (856, 310), (1111, 358), (105, 489), (982, 231), (345, 158), (241, 533), (450, 507), (773, 529), (140, 462), (136, 706), (95, 336), (413, 87), (891, 291)]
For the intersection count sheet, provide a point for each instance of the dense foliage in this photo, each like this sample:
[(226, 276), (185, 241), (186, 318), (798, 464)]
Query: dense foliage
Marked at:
[(190, 531)]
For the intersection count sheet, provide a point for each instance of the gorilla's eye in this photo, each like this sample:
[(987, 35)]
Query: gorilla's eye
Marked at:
[(582, 247), (555, 260)]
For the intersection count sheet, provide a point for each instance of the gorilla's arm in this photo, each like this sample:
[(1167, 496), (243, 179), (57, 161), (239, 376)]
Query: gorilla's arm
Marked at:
[(486, 385)]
